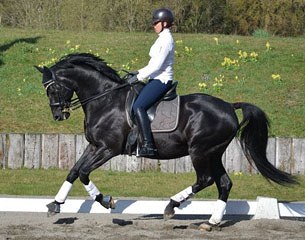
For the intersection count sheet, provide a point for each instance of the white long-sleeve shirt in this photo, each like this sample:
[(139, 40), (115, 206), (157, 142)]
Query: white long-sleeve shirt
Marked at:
[(162, 53)]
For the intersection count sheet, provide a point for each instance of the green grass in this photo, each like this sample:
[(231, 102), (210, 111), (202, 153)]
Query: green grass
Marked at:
[(24, 106), (142, 184)]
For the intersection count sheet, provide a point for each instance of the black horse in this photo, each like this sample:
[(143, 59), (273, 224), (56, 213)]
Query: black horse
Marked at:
[(206, 127)]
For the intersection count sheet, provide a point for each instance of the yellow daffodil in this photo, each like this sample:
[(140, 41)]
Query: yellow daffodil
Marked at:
[(202, 86), (268, 46), (276, 76), (253, 54)]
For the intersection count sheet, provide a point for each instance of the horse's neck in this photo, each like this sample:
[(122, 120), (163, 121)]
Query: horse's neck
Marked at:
[(106, 103), (103, 114)]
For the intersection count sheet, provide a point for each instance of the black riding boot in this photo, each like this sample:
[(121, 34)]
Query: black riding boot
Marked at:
[(148, 148)]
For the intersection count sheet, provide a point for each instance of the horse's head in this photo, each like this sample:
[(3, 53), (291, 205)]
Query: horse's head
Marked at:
[(58, 93)]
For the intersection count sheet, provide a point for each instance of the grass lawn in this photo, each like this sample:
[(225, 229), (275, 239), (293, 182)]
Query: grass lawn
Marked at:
[(268, 72), (143, 184)]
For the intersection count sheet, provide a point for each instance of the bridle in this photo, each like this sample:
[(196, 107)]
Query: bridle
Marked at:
[(66, 104), (62, 102)]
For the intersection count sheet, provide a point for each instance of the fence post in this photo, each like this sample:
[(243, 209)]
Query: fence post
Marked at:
[(15, 150), (271, 151), (235, 158), (118, 164), (32, 150), (283, 154), (133, 164), (298, 156), (168, 165), (49, 153), (3, 151), (66, 148), (149, 164)]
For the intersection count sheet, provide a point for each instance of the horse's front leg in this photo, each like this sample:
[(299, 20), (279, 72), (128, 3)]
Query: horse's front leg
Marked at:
[(90, 153), (62, 194)]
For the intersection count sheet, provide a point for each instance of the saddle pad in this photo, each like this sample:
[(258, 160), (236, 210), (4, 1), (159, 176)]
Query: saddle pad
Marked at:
[(167, 116)]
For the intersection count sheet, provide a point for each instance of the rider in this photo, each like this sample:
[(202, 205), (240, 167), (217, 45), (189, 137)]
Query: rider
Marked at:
[(159, 71)]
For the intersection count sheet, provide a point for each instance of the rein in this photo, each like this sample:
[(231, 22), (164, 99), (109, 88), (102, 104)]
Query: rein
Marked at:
[(76, 103)]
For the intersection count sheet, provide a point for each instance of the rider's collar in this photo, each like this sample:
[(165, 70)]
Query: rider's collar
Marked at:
[(165, 30)]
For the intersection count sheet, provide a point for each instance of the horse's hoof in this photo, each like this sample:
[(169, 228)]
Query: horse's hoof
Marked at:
[(53, 208), (168, 215), (205, 227), (209, 227), (108, 202), (169, 211)]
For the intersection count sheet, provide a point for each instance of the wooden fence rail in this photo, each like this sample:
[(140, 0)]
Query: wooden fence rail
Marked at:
[(62, 151)]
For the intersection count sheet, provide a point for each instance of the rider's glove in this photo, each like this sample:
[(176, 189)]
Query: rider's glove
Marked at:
[(133, 77)]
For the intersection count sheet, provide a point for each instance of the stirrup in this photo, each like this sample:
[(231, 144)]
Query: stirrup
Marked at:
[(147, 150)]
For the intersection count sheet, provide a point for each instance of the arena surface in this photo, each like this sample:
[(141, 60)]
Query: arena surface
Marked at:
[(32, 226)]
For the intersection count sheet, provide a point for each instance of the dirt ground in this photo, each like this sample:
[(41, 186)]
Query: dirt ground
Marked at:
[(32, 226)]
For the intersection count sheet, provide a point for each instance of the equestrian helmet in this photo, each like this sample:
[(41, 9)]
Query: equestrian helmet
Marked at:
[(163, 15)]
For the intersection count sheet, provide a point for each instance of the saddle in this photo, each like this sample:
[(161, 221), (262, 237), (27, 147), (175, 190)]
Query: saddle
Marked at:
[(163, 114)]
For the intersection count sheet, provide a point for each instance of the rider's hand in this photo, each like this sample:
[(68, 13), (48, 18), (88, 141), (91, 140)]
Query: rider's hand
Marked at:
[(133, 73), (132, 77)]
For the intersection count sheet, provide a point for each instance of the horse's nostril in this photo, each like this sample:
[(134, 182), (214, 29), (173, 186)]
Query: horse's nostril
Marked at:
[(57, 118)]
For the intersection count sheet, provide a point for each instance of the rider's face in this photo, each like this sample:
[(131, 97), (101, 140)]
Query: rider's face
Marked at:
[(158, 26)]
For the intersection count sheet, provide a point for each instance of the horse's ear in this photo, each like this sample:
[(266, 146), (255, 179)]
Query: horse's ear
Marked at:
[(47, 74), (40, 69)]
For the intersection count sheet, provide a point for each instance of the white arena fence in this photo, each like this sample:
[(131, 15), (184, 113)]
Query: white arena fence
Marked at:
[(45, 151)]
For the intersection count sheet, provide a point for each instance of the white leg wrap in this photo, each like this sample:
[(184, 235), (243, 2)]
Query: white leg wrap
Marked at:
[(219, 210), (183, 195), (92, 190), (63, 192)]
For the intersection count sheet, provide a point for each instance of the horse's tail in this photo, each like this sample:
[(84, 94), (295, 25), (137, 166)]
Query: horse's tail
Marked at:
[(254, 138)]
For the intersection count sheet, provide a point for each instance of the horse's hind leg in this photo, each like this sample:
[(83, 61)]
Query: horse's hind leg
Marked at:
[(224, 185), (204, 179)]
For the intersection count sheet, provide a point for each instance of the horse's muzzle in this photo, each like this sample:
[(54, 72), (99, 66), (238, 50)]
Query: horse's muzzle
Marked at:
[(62, 116)]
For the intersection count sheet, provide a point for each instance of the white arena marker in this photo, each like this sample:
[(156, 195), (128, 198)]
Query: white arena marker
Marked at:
[(262, 208), (296, 209), (267, 208)]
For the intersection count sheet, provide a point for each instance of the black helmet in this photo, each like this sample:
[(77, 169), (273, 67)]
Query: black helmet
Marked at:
[(163, 15)]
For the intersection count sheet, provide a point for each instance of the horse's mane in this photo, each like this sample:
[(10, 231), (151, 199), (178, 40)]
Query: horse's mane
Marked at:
[(87, 59)]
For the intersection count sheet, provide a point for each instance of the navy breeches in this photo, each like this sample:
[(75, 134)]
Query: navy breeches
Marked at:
[(151, 93)]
